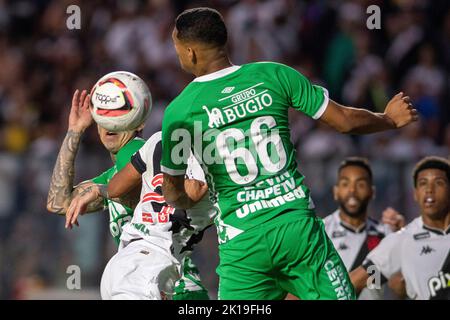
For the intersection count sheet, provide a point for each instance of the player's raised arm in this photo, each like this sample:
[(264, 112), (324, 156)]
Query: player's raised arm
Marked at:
[(399, 112), (61, 189)]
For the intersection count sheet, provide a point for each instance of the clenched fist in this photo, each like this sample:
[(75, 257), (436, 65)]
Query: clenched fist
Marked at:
[(195, 189), (393, 218), (401, 111)]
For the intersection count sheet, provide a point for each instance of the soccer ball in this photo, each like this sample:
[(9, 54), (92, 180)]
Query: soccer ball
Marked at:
[(120, 101)]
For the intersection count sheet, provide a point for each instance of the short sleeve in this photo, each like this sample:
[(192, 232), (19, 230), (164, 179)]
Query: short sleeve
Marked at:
[(138, 163), (124, 155), (305, 97), (386, 256), (176, 143), (103, 178), (144, 159)]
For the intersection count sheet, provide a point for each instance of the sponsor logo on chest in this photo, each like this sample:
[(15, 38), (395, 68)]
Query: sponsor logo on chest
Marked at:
[(426, 250), (242, 104)]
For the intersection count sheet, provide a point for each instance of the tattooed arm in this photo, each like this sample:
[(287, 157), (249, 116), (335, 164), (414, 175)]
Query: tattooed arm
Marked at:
[(61, 189), (125, 184), (79, 204)]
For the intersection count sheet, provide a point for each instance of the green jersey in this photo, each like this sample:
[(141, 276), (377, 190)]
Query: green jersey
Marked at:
[(119, 215), (235, 121), (189, 285)]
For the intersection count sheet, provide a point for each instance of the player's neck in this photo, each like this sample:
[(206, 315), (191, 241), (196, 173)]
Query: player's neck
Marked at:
[(113, 157), (355, 222), (212, 65), (439, 223)]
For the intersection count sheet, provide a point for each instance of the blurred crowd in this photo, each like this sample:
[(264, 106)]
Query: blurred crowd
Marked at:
[(42, 62)]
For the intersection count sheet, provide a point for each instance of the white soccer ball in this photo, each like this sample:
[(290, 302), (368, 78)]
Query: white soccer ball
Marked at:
[(120, 101)]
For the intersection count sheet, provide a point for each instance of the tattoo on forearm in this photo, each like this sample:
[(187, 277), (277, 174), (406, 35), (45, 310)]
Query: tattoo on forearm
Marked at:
[(61, 185), (93, 206), (103, 188), (86, 190), (130, 202)]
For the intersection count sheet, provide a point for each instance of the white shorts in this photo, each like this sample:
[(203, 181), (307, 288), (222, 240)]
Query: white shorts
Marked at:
[(140, 271)]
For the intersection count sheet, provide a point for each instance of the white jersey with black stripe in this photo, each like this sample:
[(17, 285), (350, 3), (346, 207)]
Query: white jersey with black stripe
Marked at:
[(422, 254), (173, 231), (353, 244)]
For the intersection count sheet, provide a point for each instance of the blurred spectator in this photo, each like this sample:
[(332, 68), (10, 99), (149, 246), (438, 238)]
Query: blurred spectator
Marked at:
[(323, 143), (363, 87), (425, 83), (410, 144), (426, 77), (262, 30), (341, 51)]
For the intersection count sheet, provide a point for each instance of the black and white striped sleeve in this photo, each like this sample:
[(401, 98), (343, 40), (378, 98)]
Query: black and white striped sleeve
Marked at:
[(138, 163), (148, 158)]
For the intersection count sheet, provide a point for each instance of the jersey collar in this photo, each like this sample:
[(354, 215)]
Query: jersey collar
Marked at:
[(218, 74), (349, 227), (435, 230)]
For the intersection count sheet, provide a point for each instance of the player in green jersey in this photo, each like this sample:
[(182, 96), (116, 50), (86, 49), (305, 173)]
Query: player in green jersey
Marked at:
[(121, 146), (235, 119)]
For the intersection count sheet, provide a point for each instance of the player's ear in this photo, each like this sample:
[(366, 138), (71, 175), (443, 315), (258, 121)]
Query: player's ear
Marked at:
[(335, 191), (192, 55), (416, 196), (140, 128)]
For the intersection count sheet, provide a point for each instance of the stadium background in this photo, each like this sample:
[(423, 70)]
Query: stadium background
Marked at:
[(42, 63)]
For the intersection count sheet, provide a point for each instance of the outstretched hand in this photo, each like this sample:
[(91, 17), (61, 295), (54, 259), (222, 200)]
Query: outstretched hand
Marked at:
[(80, 116), (401, 111)]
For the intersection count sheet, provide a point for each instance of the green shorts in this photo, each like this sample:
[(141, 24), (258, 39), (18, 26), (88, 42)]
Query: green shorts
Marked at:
[(192, 295), (289, 254), (189, 286)]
